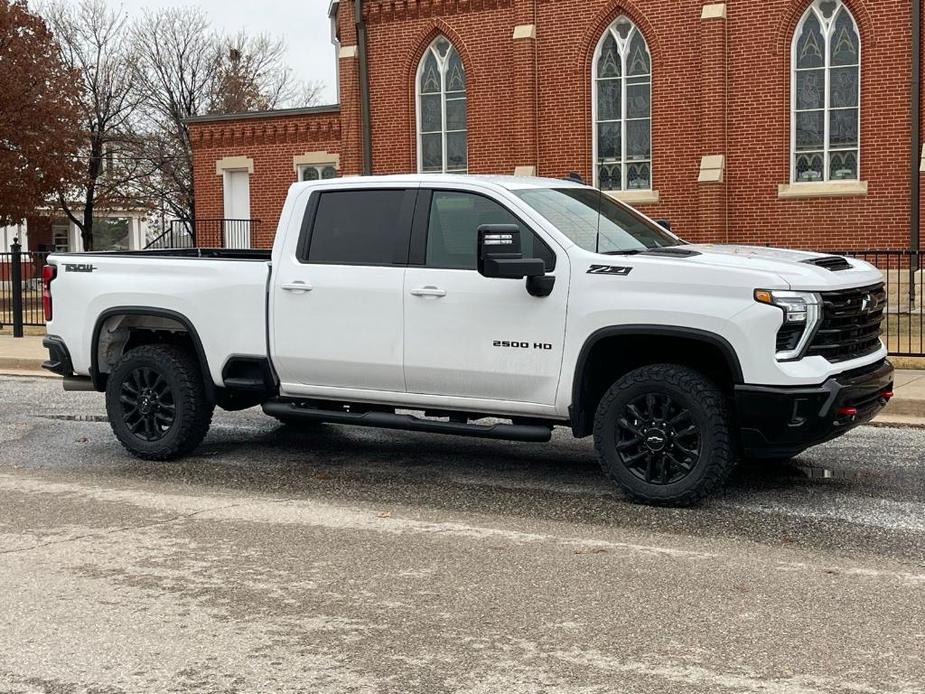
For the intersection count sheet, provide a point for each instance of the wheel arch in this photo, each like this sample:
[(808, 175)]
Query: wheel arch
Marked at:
[(645, 344), (177, 319)]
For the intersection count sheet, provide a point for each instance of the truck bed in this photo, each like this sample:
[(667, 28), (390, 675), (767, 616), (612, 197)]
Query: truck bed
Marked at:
[(224, 302)]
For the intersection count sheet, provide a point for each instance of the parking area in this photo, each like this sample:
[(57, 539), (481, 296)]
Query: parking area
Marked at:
[(332, 559)]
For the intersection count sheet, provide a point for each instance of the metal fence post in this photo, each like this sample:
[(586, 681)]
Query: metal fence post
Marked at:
[(16, 282)]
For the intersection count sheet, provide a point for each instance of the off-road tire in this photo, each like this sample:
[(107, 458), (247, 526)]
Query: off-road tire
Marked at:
[(192, 409), (707, 411)]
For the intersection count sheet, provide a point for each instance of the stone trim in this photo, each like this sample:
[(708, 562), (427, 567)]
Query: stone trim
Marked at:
[(712, 168), (525, 31), (234, 163), (347, 52), (828, 189), (716, 10), (525, 171), (634, 197), (315, 158)]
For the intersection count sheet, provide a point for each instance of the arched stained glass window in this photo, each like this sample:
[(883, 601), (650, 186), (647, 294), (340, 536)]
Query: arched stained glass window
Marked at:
[(622, 108), (826, 95), (441, 110)]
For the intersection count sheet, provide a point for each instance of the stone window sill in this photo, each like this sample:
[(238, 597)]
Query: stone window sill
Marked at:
[(634, 197), (828, 189)]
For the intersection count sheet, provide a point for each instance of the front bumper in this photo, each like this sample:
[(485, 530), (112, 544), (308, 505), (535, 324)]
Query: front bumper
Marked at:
[(778, 422)]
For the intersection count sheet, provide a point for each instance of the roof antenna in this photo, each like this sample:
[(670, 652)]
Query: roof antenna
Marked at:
[(574, 176)]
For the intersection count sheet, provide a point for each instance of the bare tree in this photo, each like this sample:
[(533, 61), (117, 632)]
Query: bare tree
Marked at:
[(95, 41), (186, 70), (178, 62), (252, 75), (38, 114)]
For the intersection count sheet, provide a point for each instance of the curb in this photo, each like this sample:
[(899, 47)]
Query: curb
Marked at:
[(18, 364), (27, 373)]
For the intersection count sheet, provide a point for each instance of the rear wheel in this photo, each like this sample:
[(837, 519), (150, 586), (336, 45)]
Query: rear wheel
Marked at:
[(157, 404), (662, 435)]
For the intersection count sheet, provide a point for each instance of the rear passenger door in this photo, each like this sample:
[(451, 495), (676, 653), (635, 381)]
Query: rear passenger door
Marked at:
[(337, 293)]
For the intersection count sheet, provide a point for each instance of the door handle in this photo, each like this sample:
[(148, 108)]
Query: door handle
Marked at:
[(429, 290), (296, 286)]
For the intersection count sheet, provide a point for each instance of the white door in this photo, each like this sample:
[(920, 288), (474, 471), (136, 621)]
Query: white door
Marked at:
[(337, 296), (237, 209), (473, 336)]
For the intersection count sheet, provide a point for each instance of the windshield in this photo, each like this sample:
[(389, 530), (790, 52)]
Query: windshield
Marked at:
[(615, 229)]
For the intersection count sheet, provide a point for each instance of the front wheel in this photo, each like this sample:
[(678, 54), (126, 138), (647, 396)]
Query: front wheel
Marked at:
[(662, 435), (157, 403)]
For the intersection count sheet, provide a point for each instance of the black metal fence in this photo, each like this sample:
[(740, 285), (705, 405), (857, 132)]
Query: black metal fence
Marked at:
[(180, 234), (207, 233), (21, 289), (904, 279)]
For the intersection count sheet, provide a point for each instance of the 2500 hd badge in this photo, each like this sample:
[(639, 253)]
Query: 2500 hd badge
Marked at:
[(520, 345)]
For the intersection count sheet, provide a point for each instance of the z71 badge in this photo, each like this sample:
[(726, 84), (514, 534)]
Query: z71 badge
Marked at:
[(617, 270)]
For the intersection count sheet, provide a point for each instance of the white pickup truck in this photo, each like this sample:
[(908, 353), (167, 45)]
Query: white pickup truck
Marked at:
[(448, 303)]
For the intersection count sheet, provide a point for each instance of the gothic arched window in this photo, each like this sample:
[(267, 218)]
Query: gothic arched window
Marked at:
[(826, 95), (441, 110), (622, 109)]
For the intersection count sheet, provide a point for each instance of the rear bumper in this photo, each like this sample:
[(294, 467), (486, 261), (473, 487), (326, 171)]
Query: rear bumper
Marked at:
[(778, 422), (59, 359)]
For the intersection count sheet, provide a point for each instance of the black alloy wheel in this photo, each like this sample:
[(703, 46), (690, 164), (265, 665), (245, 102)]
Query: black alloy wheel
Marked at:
[(663, 434), (157, 402), (148, 403), (658, 439)]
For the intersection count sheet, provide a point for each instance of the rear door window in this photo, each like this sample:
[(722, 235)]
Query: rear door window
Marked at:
[(360, 227)]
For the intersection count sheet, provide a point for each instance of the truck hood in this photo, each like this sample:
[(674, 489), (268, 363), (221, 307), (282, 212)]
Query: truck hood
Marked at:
[(796, 268)]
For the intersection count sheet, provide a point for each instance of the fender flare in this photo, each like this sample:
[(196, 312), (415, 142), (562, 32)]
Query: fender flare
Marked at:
[(96, 376), (576, 412)]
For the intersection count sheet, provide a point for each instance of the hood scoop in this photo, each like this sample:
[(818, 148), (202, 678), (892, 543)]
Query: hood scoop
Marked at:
[(673, 252), (832, 263)]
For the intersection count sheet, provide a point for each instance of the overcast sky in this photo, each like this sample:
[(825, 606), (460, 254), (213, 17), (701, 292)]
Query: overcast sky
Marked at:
[(303, 24)]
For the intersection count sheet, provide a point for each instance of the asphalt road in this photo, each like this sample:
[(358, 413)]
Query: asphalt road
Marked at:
[(352, 560)]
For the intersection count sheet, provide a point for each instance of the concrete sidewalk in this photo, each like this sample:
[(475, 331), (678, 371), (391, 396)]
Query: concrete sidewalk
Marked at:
[(24, 356)]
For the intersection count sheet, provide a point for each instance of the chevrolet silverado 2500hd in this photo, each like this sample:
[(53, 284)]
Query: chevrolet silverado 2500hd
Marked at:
[(435, 303)]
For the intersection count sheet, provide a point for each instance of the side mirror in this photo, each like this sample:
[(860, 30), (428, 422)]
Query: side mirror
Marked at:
[(499, 254), (664, 223)]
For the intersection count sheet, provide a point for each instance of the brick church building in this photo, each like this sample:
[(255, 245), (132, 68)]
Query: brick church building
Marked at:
[(784, 122)]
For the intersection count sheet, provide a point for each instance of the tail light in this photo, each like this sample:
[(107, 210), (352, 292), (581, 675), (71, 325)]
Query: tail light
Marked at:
[(49, 272)]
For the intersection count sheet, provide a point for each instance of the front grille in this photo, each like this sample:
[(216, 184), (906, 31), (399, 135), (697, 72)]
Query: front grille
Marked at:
[(850, 326), (788, 337)]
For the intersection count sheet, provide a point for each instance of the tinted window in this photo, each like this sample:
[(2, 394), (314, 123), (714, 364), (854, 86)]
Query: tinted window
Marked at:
[(454, 222), (358, 227)]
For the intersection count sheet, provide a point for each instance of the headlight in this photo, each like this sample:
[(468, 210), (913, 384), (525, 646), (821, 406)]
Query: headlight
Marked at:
[(802, 312)]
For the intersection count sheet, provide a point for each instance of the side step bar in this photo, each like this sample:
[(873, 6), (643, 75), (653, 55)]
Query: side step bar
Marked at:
[(510, 432)]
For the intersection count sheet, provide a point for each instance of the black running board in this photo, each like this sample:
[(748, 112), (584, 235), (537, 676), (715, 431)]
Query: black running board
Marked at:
[(536, 433)]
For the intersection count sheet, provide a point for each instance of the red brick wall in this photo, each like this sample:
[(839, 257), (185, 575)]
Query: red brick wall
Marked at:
[(272, 143), (719, 87)]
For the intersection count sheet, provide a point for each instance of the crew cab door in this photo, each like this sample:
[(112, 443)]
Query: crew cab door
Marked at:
[(337, 291), (472, 336)]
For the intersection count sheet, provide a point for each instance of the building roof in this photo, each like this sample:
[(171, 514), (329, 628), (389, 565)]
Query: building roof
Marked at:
[(278, 113)]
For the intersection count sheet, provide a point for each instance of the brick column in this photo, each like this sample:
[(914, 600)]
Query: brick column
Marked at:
[(711, 203), (523, 78), (351, 161)]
